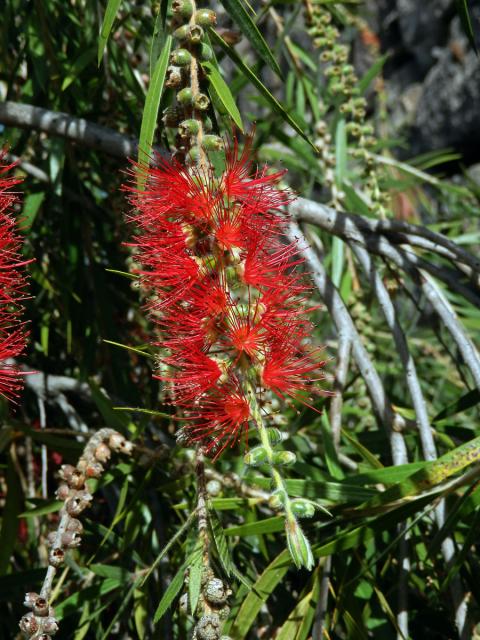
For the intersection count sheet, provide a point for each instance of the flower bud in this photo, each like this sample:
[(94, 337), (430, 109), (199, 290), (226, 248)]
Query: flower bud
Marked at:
[(188, 128), (277, 500), (181, 57), (284, 458), (206, 52), (185, 96), (256, 456), (194, 156), (206, 17), (303, 508), (298, 545), (212, 143), (276, 436), (182, 8)]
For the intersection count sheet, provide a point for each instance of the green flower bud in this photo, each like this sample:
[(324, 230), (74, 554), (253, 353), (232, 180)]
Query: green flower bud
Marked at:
[(298, 545), (277, 500), (302, 508), (212, 143), (206, 17), (188, 128), (194, 154), (206, 52), (183, 8), (207, 124), (275, 435), (256, 456), (284, 458), (181, 57), (201, 102), (185, 96), (182, 32)]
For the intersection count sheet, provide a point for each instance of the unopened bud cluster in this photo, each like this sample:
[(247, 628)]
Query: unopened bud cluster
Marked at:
[(40, 623), (343, 87), (189, 116), (212, 609)]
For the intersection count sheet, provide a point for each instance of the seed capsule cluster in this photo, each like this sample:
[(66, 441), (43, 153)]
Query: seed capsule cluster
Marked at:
[(185, 75), (40, 623), (212, 609), (343, 86)]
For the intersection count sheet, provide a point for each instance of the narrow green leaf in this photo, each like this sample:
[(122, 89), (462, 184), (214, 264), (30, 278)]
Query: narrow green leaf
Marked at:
[(110, 571), (259, 594), (108, 20), (221, 543), (50, 507), (171, 593), (244, 22), (372, 73), (467, 401), (248, 73), (195, 575), (150, 412), (462, 6), (126, 346), (78, 66), (223, 92), (152, 103), (268, 525)]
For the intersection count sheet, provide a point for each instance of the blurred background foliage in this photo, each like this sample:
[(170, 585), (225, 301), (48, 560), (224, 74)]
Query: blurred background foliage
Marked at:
[(85, 316)]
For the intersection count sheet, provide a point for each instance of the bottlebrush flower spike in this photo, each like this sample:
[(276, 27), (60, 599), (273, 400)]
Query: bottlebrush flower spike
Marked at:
[(226, 299), (13, 335)]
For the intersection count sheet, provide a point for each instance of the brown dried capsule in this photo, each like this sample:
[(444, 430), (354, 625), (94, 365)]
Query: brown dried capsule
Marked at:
[(75, 525), (77, 480), (56, 557), (29, 624), (74, 506), (71, 539), (62, 492), (94, 470), (51, 538), (50, 625), (40, 607), (66, 471), (102, 453), (30, 599)]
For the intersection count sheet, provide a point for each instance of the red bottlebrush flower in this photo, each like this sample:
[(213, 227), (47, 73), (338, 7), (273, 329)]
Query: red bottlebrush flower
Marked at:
[(226, 298), (13, 334), (220, 418)]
